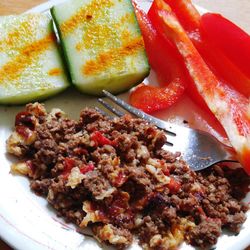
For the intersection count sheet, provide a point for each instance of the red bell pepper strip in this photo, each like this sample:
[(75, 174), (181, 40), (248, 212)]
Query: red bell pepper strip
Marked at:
[(229, 106), (193, 93), (163, 57), (222, 67), (149, 98), (229, 38), (167, 63), (209, 39), (187, 14)]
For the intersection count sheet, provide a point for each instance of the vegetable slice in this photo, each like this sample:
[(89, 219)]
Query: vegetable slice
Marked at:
[(149, 98), (229, 38), (102, 44), (230, 107), (187, 14), (167, 64), (163, 57), (30, 63), (223, 46), (192, 91)]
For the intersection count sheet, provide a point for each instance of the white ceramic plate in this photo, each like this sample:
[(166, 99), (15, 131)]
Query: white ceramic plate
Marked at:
[(27, 222)]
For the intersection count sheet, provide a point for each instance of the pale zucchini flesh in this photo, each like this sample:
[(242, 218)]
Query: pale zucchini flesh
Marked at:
[(31, 67), (102, 44)]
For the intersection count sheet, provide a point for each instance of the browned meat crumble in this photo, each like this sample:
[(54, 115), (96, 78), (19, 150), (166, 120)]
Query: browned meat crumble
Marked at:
[(114, 176)]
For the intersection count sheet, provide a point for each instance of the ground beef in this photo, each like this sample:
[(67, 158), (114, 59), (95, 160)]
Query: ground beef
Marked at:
[(205, 234), (147, 229), (96, 183), (114, 176), (41, 187)]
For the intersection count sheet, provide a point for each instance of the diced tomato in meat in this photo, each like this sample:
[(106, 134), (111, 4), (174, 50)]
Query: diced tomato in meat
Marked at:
[(30, 166), (100, 139), (24, 131), (81, 151), (174, 186), (25, 119), (120, 179), (68, 163), (87, 168)]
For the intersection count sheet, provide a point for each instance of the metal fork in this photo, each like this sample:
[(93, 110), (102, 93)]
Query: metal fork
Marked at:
[(198, 148)]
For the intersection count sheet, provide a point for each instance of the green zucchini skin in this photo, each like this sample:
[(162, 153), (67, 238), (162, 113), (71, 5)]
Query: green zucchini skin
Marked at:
[(103, 46), (31, 67)]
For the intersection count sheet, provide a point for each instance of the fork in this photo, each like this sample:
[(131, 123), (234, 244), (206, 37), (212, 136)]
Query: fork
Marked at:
[(198, 148)]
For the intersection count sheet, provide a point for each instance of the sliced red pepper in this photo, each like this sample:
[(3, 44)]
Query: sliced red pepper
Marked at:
[(229, 38), (167, 64), (224, 69), (187, 14), (100, 139), (229, 106), (149, 98), (162, 55), (212, 123), (192, 92), (225, 59)]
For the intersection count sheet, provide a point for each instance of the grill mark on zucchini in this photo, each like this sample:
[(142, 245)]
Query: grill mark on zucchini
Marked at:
[(97, 36), (17, 38), (113, 58), (103, 35), (13, 69), (95, 8), (54, 72)]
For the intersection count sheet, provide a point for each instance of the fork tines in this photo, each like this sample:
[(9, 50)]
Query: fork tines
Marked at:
[(138, 113), (111, 108)]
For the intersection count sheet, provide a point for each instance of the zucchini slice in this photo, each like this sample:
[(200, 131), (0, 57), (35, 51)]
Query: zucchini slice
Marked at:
[(102, 44), (30, 63)]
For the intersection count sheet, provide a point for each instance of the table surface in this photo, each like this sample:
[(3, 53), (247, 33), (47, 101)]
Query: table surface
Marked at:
[(235, 10)]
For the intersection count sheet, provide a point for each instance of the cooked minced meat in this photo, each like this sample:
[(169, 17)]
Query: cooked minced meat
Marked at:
[(114, 176)]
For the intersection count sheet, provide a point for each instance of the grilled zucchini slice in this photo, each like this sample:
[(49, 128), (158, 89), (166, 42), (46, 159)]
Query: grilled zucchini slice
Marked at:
[(30, 63), (102, 44)]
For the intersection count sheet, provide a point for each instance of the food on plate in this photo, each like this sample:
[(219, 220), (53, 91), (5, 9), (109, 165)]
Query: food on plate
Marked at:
[(114, 177), (166, 62), (169, 67), (30, 64), (102, 43), (237, 46), (150, 98), (172, 74), (223, 46), (229, 106)]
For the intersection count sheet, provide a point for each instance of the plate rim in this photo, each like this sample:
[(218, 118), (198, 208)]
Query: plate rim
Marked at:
[(8, 231)]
